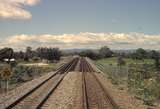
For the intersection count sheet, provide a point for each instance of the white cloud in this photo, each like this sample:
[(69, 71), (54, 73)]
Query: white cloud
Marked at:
[(26, 2), (85, 40), (15, 8)]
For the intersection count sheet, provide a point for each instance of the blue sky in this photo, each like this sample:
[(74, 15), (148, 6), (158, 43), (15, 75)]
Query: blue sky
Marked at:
[(59, 17)]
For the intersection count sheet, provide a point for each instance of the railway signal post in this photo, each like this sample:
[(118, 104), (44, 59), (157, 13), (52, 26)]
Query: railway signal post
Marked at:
[(6, 74)]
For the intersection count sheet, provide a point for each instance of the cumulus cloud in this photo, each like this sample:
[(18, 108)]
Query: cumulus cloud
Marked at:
[(85, 40), (26, 2), (15, 8)]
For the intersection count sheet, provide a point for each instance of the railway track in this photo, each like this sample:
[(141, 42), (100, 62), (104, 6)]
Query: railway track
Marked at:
[(95, 96), (36, 98)]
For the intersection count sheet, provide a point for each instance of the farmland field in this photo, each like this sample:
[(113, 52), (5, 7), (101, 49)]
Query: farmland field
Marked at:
[(128, 61)]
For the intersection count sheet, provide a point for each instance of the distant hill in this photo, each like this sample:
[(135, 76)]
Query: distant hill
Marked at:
[(114, 50), (80, 50), (73, 50)]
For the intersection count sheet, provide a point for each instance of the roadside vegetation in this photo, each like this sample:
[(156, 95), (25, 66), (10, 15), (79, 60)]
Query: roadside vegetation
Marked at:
[(27, 65), (138, 72)]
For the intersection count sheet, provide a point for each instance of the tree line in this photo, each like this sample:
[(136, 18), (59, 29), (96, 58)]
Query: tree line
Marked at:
[(103, 52), (106, 52), (50, 54), (54, 54), (138, 54)]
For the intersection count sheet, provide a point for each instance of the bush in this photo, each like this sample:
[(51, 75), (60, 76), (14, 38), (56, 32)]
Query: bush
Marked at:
[(143, 80), (90, 53), (24, 73)]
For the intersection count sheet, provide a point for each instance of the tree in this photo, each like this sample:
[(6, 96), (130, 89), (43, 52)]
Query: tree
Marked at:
[(50, 54), (57, 54), (120, 61), (141, 53), (105, 52), (19, 55), (28, 54), (156, 56), (90, 53), (133, 55), (6, 53), (40, 52)]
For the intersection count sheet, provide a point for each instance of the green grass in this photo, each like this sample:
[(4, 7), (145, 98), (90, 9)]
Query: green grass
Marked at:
[(128, 61), (139, 76)]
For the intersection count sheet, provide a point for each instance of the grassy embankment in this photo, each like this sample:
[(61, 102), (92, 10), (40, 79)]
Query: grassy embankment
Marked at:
[(138, 76)]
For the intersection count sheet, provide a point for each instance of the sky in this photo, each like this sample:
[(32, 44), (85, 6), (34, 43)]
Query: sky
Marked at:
[(67, 24)]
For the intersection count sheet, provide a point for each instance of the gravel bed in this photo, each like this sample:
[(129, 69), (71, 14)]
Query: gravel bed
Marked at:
[(77, 66), (11, 96), (78, 97), (96, 96), (66, 94)]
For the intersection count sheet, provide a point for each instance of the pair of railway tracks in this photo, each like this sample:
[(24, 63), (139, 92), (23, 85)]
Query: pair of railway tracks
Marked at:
[(37, 97), (95, 96)]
